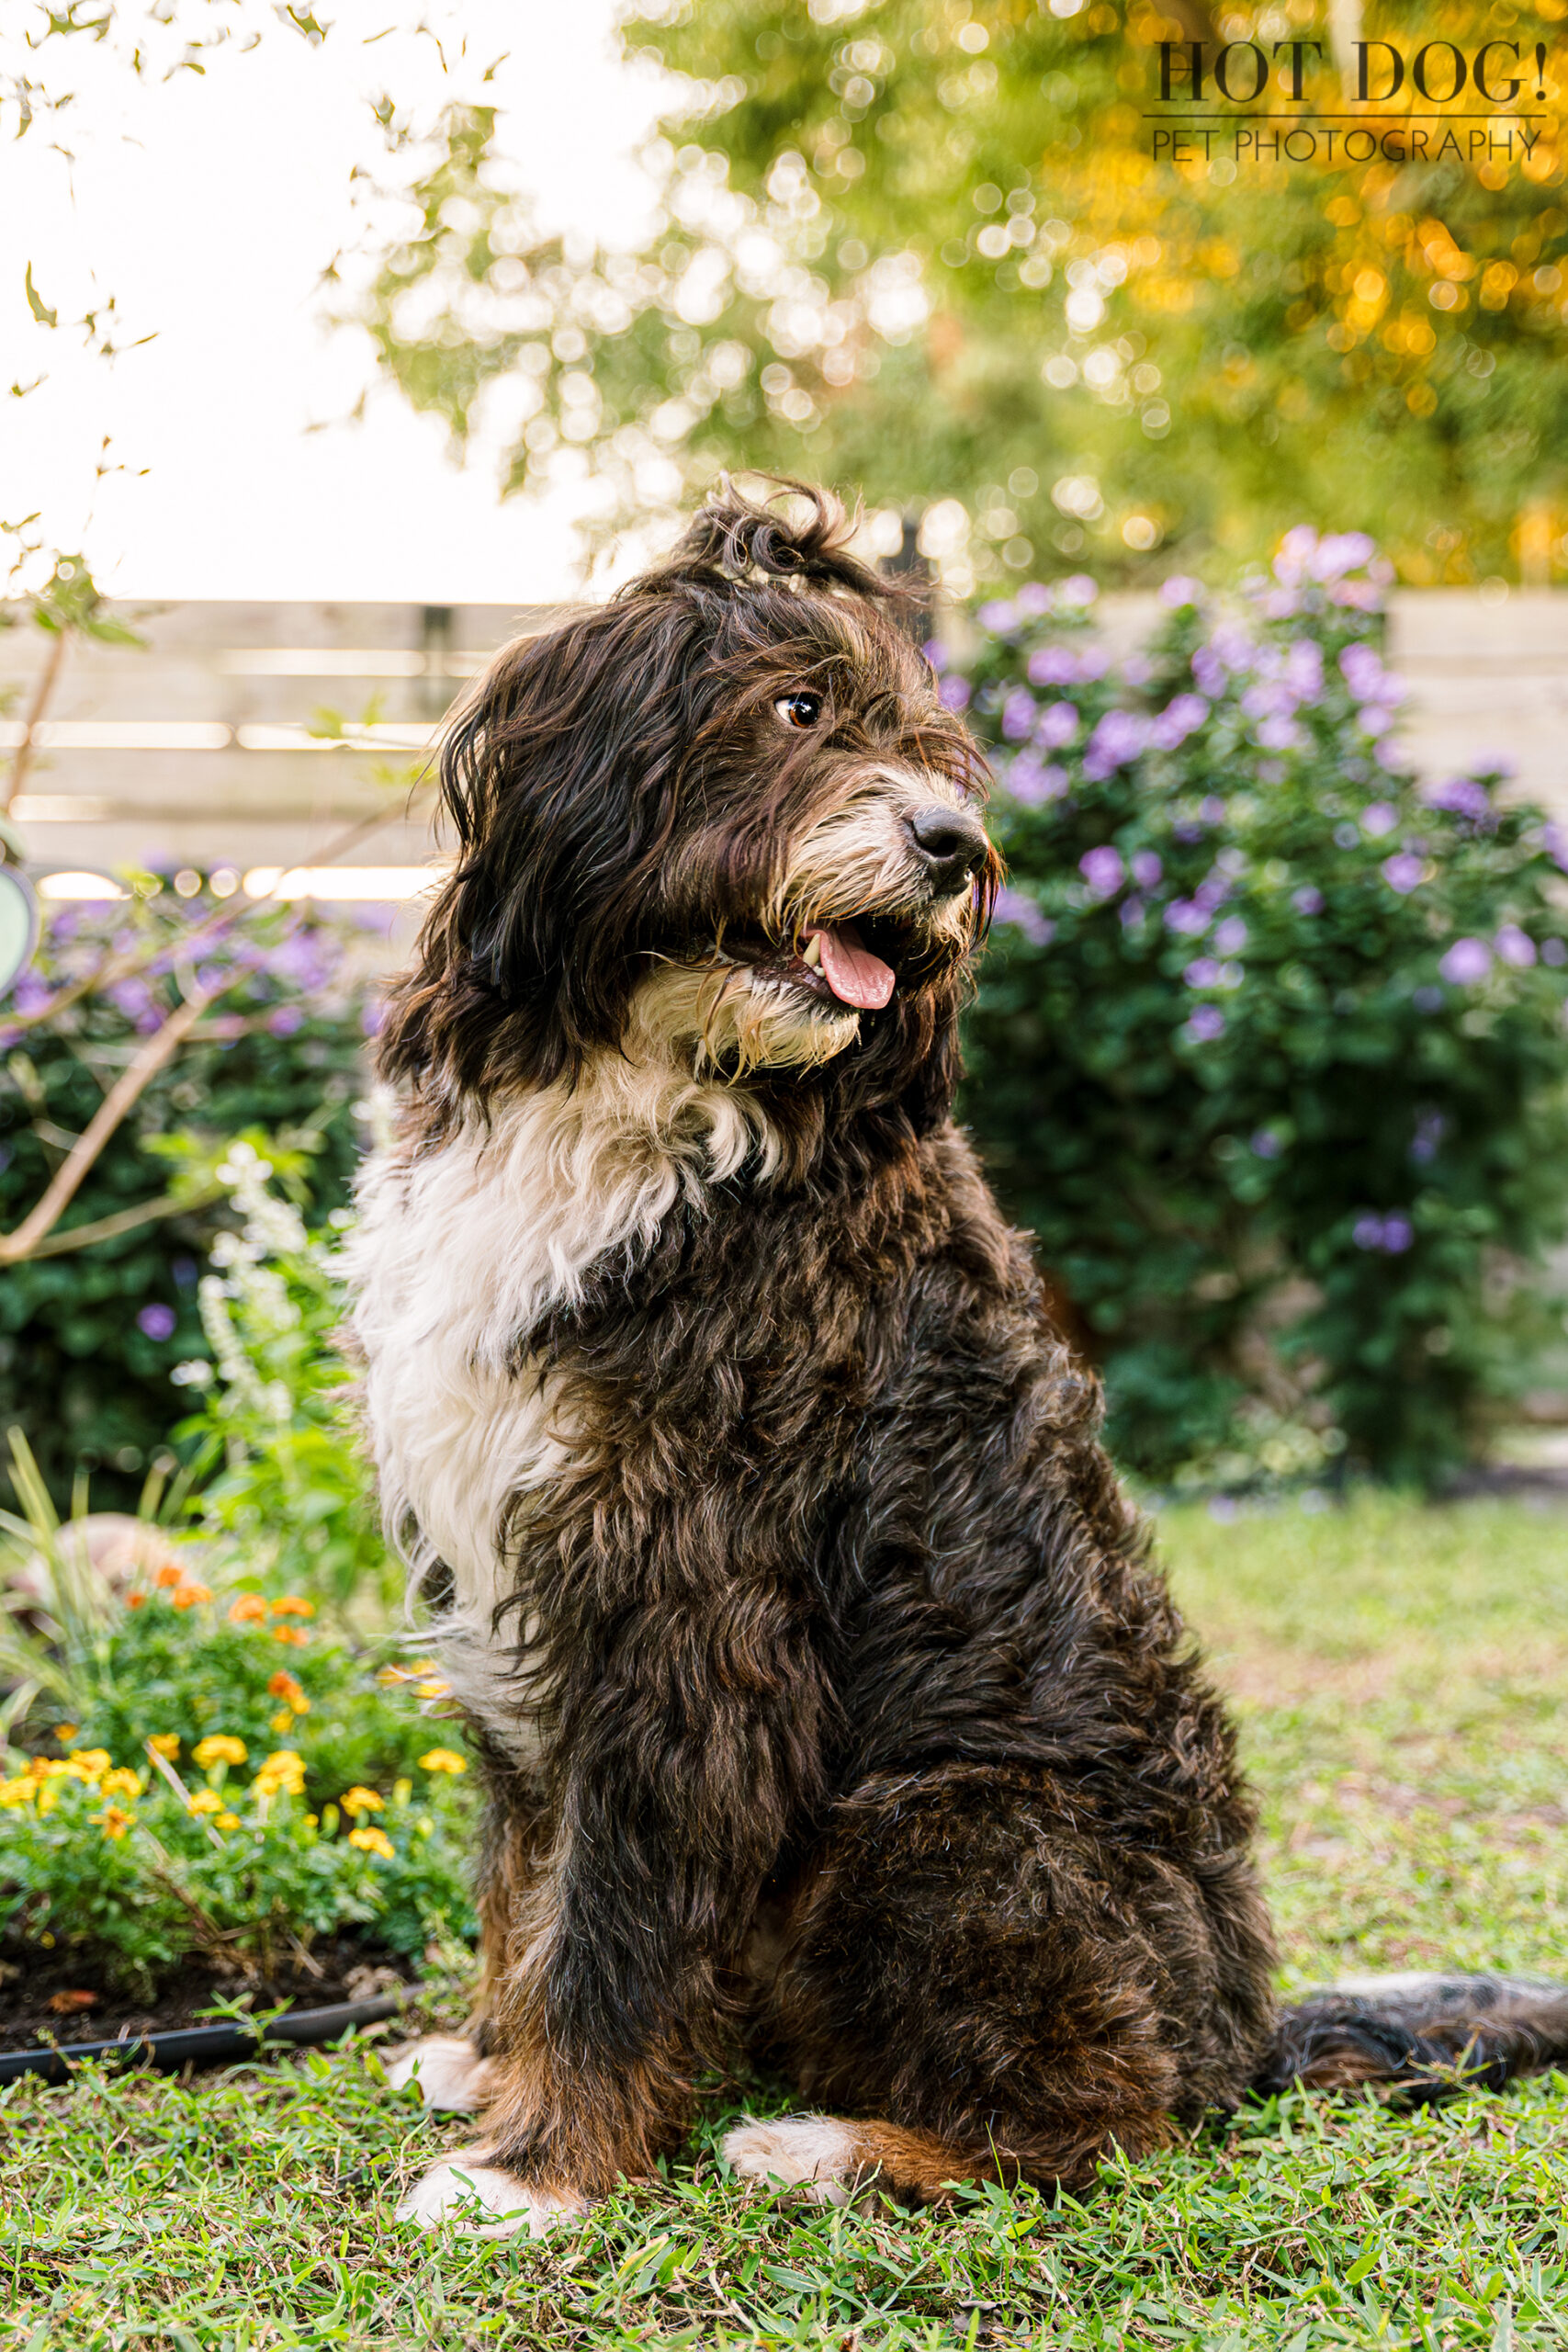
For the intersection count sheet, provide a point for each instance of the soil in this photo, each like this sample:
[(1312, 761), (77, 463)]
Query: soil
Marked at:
[(37, 2006)]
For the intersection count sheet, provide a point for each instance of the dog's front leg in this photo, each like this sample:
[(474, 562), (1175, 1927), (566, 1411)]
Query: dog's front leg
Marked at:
[(606, 1973)]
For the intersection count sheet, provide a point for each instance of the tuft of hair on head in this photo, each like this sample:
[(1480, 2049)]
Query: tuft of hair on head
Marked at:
[(797, 537)]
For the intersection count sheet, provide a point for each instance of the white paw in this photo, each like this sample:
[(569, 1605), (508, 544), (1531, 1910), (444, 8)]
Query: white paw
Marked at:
[(483, 2201), (452, 2076), (812, 2152)]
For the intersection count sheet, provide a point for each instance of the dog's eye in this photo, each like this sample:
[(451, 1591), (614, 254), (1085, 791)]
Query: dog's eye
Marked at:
[(799, 710)]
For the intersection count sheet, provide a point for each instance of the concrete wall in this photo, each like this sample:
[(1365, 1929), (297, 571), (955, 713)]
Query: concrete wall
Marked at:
[(225, 769)]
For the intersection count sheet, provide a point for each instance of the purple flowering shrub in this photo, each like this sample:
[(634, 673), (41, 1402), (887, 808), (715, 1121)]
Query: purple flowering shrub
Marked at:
[(1269, 1048), (88, 1336)]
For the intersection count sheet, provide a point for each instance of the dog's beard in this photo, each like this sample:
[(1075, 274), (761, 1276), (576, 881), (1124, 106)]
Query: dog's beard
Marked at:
[(729, 1019)]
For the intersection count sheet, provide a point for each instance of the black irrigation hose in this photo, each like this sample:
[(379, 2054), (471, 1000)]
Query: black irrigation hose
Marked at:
[(203, 2045)]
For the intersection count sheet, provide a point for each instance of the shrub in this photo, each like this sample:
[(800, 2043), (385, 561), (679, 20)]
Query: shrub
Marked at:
[(88, 1334), (1270, 1045)]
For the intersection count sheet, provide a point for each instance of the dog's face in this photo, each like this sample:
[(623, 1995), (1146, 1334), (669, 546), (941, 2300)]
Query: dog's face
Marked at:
[(726, 820)]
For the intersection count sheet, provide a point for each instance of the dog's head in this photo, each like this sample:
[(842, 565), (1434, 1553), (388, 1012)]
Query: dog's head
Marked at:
[(725, 816)]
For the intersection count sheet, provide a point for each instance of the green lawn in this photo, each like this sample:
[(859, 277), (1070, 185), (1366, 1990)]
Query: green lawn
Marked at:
[(1400, 1673)]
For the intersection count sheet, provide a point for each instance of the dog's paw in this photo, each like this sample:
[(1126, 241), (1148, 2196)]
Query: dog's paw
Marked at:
[(453, 2078), (485, 2202), (815, 2152)]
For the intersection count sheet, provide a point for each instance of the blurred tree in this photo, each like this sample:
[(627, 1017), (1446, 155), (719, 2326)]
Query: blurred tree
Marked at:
[(926, 249)]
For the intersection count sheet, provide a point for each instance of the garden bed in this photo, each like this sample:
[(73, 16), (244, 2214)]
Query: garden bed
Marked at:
[(60, 1996)]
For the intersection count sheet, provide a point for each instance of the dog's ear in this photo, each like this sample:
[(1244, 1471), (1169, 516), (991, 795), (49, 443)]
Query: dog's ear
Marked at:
[(559, 777)]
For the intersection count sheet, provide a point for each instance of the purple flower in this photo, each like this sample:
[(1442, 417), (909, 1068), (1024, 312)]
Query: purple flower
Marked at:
[(1461, 796), (1205, 1022), (1554, 841), (1380, 819), (1180, 590), (31, 994), (1130, 913), (1202, 973), (1270, 698), (1033, 599), (1403, 872), (1554, 952), (1031, 783), (286, 1022), (1146, 868), (1467, 960), (1181, 716), (1120, 737), (158, 1322), (1265, 1144), (1367, 1233), (1213, 891), (1102, 869), (1210, 673), (1430, 1128), (1018, 715), (1308, 900), (953, 693), (1341, 552), (1187, 917), (1052, 665), (1392, 1234), (1515, 947), (1280, 734), (998, 618), (1231, 936), (1303, 669), (1076, 589), (1017, 907), (1211, 809), (1058, 725), (372, 1017), (1231, 644), (1363, 673), (935, 652), (1137, 670)]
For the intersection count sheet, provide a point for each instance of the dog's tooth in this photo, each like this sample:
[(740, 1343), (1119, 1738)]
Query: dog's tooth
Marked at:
[(812, 952)]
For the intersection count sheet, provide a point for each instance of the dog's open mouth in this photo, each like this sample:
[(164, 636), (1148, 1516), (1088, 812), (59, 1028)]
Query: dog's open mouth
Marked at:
[(852, 964)]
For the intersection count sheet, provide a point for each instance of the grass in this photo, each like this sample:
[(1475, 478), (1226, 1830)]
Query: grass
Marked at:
[(1400, 1673)]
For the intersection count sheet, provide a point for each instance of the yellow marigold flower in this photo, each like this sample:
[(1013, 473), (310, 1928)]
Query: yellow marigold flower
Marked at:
[(372, 1841), (247, 1608), (218, 1748), (290, 1634), (115, 1820), (88, 1764), (206, 1801), (21, 1790), (358, 1801), (283, 1721), (291, 1605), (408, 1673), (121, 1784), (48, 1796), (187, 1595), (282, 1771), (443, 1759), (66, 1733), (436, 1688), (227, 1821), (167, 1743)]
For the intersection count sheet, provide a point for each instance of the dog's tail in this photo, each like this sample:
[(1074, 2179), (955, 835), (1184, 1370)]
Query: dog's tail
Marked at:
[(1426, 2037)]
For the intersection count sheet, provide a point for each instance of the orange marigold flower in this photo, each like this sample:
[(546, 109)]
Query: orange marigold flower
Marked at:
[(283, 1686), (357, 1800), (218, 1748), (443, 1759), (115, 1820), (167, 1743), (169, 1575), (135, 1600), (290, 1634), (187, 1595), (291, 1605), (65, 1732), (247, 1608), (372, 1841)]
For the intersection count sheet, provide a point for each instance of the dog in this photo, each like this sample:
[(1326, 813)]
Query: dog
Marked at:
[(830, 1704)]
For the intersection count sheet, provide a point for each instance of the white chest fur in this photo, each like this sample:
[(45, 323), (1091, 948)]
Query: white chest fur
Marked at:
[(459, 1253)]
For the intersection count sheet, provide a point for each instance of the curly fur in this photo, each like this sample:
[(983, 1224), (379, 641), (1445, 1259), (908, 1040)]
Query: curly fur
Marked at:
[(831, 1701)]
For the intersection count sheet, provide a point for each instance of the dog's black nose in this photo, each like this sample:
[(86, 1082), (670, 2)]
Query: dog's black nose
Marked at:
[(951, 842)]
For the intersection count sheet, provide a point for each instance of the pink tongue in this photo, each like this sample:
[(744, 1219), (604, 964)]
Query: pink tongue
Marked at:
[(851, 971)]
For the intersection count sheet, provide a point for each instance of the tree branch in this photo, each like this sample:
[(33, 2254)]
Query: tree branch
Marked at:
[(160, 1047), (47, 679), (108, 1228)]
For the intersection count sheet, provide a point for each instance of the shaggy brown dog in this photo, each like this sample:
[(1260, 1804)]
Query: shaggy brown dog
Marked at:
[(828, 1697)]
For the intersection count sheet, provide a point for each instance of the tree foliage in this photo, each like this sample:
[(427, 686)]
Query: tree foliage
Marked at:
[(926, 250)]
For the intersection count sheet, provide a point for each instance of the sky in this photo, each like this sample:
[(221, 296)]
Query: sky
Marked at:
[(209, 207)]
